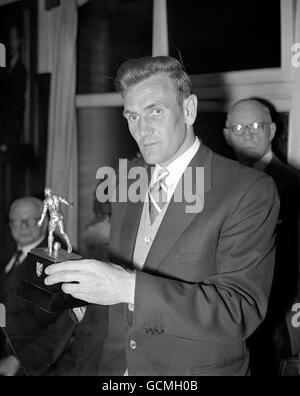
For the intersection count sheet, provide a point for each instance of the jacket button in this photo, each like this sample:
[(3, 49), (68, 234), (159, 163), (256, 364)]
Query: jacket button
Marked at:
[(132, 344)]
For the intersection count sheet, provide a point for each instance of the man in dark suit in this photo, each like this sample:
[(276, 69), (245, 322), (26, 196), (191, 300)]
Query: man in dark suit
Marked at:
[(32, 332), (189, 279), (250, 131)]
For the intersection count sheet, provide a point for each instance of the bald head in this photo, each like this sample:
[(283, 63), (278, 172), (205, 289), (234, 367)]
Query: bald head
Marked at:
[(249, 146), (23, 215), (29, 202), (247, 111)]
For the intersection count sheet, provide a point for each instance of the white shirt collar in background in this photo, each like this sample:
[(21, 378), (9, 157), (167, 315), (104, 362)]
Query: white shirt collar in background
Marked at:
[(25, 251)]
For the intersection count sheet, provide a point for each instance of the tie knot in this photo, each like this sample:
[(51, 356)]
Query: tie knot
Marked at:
[(18, 254), (162, 175), (161, 178)]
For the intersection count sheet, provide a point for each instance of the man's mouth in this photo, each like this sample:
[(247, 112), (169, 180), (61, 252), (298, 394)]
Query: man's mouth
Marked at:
[(150, 144)]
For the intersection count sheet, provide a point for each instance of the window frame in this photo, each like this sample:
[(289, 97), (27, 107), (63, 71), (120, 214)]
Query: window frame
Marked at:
[(273, 84)]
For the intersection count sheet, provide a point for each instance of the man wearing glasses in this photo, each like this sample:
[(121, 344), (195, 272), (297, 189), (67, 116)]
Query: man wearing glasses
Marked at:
[(250, 131), (32, 332)]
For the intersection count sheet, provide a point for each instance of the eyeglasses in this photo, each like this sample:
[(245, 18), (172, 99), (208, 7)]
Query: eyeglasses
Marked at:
[(254, 127), (17, 223)]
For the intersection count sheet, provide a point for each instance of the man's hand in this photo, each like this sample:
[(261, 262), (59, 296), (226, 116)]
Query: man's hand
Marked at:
[(96, 282), (9, 366)]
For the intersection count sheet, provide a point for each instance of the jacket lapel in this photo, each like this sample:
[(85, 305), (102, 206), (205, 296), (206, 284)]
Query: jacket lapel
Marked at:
[(176, 219), (129, 231)]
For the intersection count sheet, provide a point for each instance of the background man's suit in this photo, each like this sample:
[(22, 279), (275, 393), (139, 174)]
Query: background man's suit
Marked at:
[(205, 284), (285, 289), (80, 356), (287, 181), (34, 333), (272, 342)]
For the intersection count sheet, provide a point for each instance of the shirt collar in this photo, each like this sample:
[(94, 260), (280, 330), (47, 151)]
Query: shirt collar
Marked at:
[(25, 250), (264, 161), (177, 167)]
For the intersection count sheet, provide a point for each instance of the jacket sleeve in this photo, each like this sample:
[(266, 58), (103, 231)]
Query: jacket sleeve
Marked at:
[(232, 302)]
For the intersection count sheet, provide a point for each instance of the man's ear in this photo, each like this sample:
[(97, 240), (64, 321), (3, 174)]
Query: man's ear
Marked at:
[(190, 105), (227, 136), (272, 131)]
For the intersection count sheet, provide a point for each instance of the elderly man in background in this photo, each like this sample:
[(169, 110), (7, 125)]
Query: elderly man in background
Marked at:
[(32, 332), (250, 131)]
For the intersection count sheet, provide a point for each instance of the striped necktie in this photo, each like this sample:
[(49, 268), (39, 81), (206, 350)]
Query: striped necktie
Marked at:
[(158, 195)]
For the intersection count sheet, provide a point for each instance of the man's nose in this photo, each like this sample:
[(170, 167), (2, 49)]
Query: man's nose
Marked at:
[(145, 127), (24, 224), (247, 133)]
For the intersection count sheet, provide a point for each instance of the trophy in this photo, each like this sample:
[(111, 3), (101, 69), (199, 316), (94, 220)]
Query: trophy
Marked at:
[(33, 289)]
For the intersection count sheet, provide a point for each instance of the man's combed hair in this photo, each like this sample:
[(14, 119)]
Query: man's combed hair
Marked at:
[(137, 70)]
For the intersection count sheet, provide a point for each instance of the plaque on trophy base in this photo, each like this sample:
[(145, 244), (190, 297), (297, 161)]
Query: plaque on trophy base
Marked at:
[(33, 289)]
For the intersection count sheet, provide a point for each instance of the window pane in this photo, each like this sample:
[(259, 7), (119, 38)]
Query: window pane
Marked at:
[(222, 36), (111, 31)]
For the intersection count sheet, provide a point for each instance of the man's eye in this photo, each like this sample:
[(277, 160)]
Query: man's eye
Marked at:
[(157, 111), (132, 118)]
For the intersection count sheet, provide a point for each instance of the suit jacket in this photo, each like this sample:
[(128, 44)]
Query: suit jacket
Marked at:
[(80, 356), (33, 332), (286, 275), (205, 284), (285, 289), (272, 342)]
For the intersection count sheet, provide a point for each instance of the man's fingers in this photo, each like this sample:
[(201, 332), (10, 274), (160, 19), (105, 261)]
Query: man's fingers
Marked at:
[(76, 291), (70, 288), (65, 276), (77, 265)]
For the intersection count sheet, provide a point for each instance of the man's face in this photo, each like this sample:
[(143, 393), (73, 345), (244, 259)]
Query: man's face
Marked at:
[(23, 218), (155, 119), (251, 145)]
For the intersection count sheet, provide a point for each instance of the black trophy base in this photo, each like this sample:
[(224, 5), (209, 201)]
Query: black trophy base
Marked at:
[(49, 301), (33, 289)]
